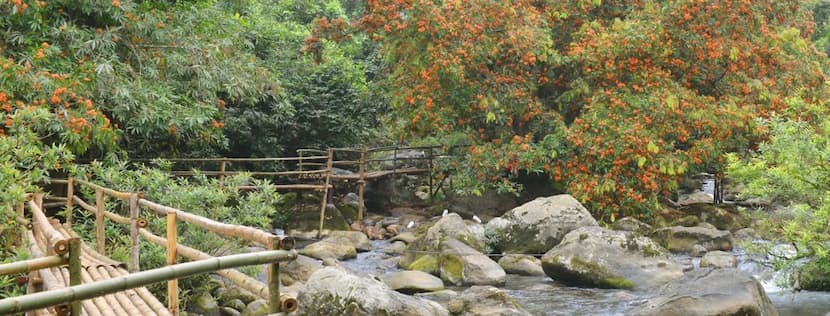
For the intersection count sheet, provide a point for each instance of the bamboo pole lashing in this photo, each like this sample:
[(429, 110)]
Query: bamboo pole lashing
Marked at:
[(172, 284)]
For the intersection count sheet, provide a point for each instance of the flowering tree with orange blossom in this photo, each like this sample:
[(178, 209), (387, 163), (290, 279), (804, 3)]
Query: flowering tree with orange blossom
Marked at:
[(615, 100)]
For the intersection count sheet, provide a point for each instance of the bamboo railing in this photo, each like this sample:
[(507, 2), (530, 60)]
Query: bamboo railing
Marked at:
[(138, 227)]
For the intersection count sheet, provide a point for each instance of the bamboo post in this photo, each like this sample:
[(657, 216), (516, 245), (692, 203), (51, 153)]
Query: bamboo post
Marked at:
[(325, 191), (75, 271), (99, 221), (274, 280), (429, 175), (39, 200), (70, 192), (133, 266), (361, 184), (172, 284), (395, 160), (222, 166)]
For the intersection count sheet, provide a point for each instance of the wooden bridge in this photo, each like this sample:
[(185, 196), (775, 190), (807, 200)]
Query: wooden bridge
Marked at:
[(69, 277)]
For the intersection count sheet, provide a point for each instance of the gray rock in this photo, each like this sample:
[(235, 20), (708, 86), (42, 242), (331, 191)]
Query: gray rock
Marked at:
[(536, 226), (698, 251), (330, 248), (407, 237), (330, 262), (441, 296), (718, 260), (597, 257), (335, 291), (682, 239), (227, 311), (706, 225), (205, 305), (448, 227), (710, 292), (236, 293), (485, 301), (410, 282), (631, 224), (695, 198), (521, 265), (236, 304), (359, 240), (298, 270), (256, 308), (460, 264), (745, 234), (396, 248)]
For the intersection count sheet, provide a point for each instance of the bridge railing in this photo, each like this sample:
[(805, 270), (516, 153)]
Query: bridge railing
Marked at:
[(138, 226)]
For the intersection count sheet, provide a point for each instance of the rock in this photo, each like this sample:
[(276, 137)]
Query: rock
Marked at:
[(373, 232), (307, 218), (330, 248), (782, 251), (360, 242), (597, 257), (236, 304), (395, 248), (695, 198), (631, 224), (227, 311), (393, 230), (536, 226), (723, 217), (410, 282), (407, 237), (745, 234), (487, 206), (687, 221), (334, 291), (813, 275), (682, 239), (448, 227), (330, 262), (205, 305), (256, 308), (718, 260), (460, 264), (521, 265), (485, 301), (234, 292), (298, 270), (349, 205), (698, 251), (710, 292), (438, 296), (706, 225), (427, 263)]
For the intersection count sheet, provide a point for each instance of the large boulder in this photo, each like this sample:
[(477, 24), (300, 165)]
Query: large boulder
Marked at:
[(813, 275), (298, 270), (333, 248), (631, 224), (538, 225), (490, 204), (724, 217), (485, 301), (597, 257), (450, 226), (460, 264), (521, 265), (718, 259), (359, 240), (410, 282), (335, 291), (682, 239), (710, 292)]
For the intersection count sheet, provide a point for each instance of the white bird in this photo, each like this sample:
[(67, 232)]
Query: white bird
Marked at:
[(411, 224), (476, 219), (446, 211)]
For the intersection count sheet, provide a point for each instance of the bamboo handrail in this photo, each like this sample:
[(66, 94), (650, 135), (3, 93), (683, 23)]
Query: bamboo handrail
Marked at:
[(55, 239), (32, 264), (91, 290), (239, 231), (254, 173), (113, 193), (109, 215), (231, 159)]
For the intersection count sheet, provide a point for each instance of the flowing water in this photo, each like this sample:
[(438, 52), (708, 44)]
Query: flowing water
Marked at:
[(543, 296)]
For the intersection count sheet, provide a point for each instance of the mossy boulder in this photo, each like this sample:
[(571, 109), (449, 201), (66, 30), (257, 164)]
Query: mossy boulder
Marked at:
[(298, 270), (813, 276), (682, 239), (485, 301), (460, 264), (718, 260), (205, 305), (723, 217), (598, 257), (431, 237), (426, 263), (256, 308), (725, 292), (359, 240), (631, 224), (330, 248), (411, 282), (521, 265), (307, 217), (538, 225), (336, 291)]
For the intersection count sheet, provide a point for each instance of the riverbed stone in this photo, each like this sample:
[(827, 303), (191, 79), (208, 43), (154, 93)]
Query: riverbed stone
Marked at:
[(538, 225), (485, 301), (718, 260), (336, 291), (598, 257), (205, 305), (631, 224), (256, 308), (330, 248), (227, 311), (813, 275), (450, 226), (521, 264), (410, 282), (298, 270), (359, 241), (236, 304), (682, 239), (698, 251), (407, 237), (460, 264), (710, 292), (395, 248)]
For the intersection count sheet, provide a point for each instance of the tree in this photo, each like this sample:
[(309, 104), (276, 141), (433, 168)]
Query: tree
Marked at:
[(617, 100)]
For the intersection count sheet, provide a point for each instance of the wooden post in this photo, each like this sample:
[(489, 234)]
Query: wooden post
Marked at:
[(325, 192), (173, 284), (70, 192), (361, 184), (100, 241), (75, 271), (429, 175), (222, 166), (19, 208), (133, 266), (274, 280)]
